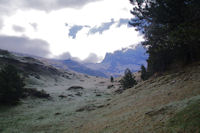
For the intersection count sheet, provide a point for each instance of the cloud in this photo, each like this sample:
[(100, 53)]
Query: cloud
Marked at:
[(25, 45), (92, 58), (34, 25), (66, 56), (54, 26), (45, 5), (1, 23), (63, 56), (102, 28), (17, 28)]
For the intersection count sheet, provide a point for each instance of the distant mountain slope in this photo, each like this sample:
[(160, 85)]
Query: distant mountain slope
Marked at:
[(115, 63), (36, 71), (27, 65), (68, 65), (77, 67)]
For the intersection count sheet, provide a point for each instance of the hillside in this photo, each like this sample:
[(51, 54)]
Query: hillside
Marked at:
[(164, 104), (85, 104)]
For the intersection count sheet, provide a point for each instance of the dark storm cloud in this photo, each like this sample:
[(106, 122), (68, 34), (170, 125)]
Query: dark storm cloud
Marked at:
[(102, 28), (17, 28), (25, 45)]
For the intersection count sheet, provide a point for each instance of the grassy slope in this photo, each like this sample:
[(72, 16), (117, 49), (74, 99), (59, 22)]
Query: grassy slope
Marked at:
[(151, 105)]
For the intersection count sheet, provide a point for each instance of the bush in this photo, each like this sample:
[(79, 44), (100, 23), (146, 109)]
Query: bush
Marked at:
[(11, 85), (128, 80)]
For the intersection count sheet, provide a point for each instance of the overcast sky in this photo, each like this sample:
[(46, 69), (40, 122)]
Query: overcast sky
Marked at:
[(79, 29)]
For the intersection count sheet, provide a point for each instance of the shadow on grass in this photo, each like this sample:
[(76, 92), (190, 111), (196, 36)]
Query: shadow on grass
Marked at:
[(187, 120)]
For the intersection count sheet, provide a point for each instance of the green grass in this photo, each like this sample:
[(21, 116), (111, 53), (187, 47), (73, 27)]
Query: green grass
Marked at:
[(187, 120)]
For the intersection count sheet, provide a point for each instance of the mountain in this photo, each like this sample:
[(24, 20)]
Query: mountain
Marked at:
[(71, 65), (80, 68), (35, 70), (68, 65), (115, 63)]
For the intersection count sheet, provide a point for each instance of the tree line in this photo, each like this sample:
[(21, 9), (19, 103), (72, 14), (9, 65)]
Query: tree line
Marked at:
[(171, 30)]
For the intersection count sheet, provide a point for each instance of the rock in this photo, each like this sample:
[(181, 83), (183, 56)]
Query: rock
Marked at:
[(80, 110), (100, 106), (78, 94), (110, 86), (174, 81), (102, 82), (86, 108), (35, 93), (40, 118), (70, 95), (75, 88), (62, 96), (119, 91), (57, 113), (156, 112), (98, 95)]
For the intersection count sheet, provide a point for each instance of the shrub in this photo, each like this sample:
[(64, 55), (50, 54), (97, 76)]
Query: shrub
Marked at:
[(11, 85), (128, 80)]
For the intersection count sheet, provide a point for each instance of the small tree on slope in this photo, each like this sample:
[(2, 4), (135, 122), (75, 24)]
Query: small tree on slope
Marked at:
[(128, 80)]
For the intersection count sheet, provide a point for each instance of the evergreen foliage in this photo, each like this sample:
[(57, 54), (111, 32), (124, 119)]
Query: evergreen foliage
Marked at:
[(111, 79), (171, 29), (11, 85), (144, 74), (128, 80)]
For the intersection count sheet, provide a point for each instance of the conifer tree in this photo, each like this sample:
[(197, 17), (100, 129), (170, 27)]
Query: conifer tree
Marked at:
[(128, 80), (11, 85), (171, 29)]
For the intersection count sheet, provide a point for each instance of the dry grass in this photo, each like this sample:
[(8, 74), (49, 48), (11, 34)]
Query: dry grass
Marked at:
[(148, 106)]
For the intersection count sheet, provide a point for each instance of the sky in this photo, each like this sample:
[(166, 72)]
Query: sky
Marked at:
[(83, 30)]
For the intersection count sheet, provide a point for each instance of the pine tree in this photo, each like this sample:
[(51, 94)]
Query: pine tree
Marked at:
[(11, 85), (128, 80), (144, 73), (171, 29), (111, 79)]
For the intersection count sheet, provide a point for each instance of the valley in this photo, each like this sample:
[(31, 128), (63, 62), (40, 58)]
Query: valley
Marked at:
[(80, 103)]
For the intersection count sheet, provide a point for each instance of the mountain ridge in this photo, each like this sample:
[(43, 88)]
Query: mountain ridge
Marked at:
[(115, 63)]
